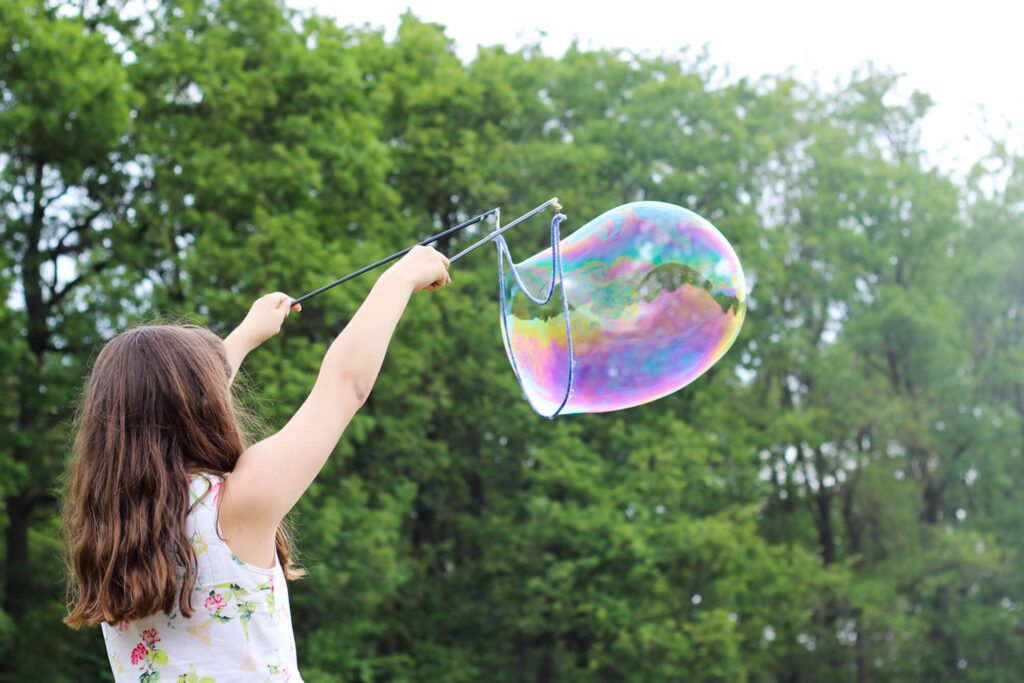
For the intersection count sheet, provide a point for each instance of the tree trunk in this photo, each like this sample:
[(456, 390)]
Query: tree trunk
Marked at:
[(30, 409), (862, 658), (826, 533), (546, 667), (16, 587)]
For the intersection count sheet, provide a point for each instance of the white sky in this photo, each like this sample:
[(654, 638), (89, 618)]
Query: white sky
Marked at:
[(968, 55)]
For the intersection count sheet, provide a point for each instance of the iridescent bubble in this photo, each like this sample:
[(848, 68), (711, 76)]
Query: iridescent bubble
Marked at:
[(655, 295)]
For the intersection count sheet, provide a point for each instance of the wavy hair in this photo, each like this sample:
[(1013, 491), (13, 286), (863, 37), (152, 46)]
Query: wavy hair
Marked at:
[(156, 409)]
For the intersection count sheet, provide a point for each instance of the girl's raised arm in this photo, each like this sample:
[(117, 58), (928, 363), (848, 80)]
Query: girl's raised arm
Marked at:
[(272, 475)]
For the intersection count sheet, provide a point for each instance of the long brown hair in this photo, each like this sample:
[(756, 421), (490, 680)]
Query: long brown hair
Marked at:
[(157, 408)]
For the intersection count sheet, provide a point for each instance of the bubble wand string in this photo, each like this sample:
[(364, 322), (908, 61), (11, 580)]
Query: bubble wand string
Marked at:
[(529, 214), (557, 280)]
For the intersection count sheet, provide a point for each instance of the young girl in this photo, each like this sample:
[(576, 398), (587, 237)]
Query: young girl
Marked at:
[(174, 525)]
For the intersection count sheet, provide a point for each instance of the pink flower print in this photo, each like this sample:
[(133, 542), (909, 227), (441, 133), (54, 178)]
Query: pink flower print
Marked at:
[(123, 626), (215, 603), (150, 636), (214, 492), (138, 654)]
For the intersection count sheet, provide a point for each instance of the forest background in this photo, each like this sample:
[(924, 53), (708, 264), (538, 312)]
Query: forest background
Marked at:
[(837, 500)]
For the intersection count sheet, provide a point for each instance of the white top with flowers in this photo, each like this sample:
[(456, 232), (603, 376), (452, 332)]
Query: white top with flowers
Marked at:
[(240, 628)]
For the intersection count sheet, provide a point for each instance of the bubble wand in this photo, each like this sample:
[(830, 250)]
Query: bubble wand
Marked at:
[(388, 259), (496, 212)]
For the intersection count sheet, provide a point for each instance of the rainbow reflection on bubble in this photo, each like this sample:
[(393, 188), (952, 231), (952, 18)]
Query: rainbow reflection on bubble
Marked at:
[(656, 295)]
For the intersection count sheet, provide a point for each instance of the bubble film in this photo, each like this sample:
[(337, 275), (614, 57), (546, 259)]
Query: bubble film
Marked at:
[(655, 295)]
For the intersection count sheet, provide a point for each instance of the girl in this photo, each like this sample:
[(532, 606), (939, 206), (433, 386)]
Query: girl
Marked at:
[(174, 526)]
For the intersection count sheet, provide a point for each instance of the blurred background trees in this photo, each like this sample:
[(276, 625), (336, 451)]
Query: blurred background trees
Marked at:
[(837, 500)]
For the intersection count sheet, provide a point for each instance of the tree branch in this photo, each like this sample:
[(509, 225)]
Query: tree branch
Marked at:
[(51, 200), (96, 268), (60, 250)]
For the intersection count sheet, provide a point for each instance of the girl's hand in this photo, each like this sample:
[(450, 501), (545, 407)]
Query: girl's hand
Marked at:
[(422, 268), (265, 318)]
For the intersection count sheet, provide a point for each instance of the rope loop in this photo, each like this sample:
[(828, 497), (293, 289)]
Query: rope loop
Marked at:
[(556, 279)]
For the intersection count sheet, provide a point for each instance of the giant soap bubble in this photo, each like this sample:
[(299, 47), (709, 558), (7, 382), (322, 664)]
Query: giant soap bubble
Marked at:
[(654, 294)]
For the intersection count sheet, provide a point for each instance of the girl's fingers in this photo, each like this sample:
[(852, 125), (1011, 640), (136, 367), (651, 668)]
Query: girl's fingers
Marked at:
[(287, 302)]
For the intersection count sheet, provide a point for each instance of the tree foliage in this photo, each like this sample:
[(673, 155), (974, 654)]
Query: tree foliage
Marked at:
[(836, 500)]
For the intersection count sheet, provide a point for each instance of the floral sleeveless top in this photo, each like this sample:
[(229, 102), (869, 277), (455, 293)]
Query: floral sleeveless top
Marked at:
[(240, 628)]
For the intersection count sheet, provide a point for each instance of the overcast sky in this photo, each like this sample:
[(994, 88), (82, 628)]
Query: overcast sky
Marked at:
[(968, 55)]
